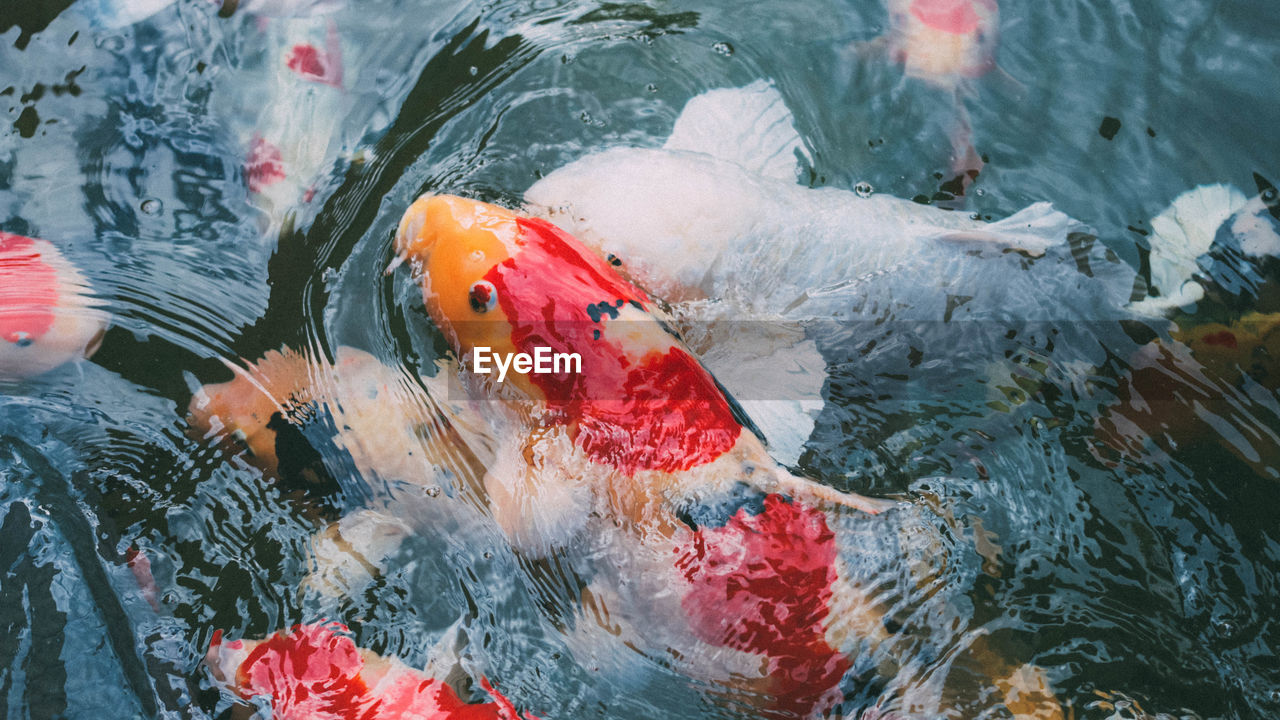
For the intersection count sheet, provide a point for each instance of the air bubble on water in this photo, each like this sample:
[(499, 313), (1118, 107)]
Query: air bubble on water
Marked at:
[(473, 70), (585, 117), (723, 48), (433, 491), (979, 192), (151, 206), (651, 88), (863, 189)]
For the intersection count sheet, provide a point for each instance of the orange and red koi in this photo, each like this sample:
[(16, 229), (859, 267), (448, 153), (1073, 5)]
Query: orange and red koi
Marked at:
[(316, 672), (665, 412), (643, 406), (46, 315)]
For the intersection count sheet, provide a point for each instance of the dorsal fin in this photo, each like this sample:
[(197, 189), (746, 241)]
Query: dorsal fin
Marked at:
[(750, 126)]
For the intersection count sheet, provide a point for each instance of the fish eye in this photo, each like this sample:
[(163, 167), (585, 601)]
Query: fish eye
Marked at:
[(483, 296)]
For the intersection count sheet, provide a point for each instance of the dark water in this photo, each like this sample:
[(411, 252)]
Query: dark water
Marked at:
[(1149, 571)]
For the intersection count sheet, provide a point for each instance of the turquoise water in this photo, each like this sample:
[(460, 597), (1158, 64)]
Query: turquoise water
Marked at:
[(1149, 572)]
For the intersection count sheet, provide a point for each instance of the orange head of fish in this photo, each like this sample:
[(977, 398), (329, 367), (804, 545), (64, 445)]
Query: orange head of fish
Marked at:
[(455, 244), (500, 284)]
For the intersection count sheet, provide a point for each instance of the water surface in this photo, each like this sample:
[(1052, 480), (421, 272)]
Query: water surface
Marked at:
[(1150, 572)]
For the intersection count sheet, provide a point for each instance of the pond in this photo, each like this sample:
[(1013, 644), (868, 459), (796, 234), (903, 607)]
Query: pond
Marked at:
[(225, 179)]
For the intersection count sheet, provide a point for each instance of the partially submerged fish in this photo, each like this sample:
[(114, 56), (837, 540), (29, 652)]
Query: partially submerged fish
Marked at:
[(701, 218), (715, 223), (316, 672), (1217, 255), (384, 415), (48, 316), (692, 546), (298, 111), (308, 422)]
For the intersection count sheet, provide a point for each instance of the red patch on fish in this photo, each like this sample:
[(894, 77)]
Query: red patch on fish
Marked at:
[(28, 290), (762, 584), (312, 64), (314, 673), (304, 59), (657, 412), (1223, 339), (957, 17), (264, 166)]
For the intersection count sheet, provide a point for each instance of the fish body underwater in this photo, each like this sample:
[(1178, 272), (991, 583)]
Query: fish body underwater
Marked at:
[(715, 224), (693, 549), (316, 672), (943, 41), (698, 218), (1219, 260), (716, 213), (48, 316)]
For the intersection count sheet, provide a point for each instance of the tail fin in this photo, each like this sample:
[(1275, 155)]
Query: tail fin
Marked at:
[(1180, 234)]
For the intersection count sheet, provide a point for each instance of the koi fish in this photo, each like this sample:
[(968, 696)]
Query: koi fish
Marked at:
[(303, 420), (695, 548), (287, 103), (714, 223), (1216, 255), (383, 413), (716, 213), (316, 672), (943, 41), (279, 8), (297, 111), (47, 314), (1241, 269)]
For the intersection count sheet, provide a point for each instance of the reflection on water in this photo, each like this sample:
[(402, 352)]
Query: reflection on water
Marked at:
[(228, 183)]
